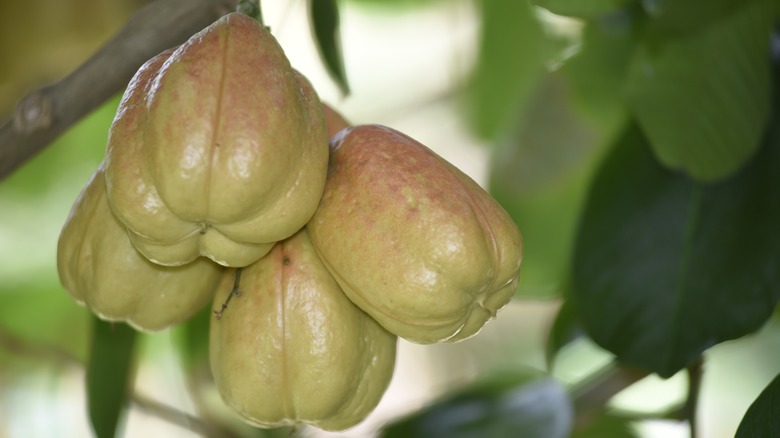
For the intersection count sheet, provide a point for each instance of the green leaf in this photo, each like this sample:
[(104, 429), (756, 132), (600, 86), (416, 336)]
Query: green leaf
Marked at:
[(583, 9), (325, 20), (521, 404), (511, 56), (595, 73), (109, 376), (665, 267), (703, 100), (565, 329), (762, 419)]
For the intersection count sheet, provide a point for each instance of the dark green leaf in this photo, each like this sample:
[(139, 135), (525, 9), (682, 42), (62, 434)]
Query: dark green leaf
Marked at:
[(510, 62), (109, 376), (665, 267), (703, 100), (607, 425), (762, 419), (520, 404), (325, 20), (583, 9), (565, 329)]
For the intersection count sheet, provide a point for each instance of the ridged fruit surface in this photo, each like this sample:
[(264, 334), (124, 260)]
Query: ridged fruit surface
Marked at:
[(291, 348), (218, 148), (101, 269), (412, 240)]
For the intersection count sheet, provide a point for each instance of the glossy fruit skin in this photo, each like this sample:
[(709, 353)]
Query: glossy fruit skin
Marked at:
[(218, 148), (101, 269), (291, 348), (412, 240)]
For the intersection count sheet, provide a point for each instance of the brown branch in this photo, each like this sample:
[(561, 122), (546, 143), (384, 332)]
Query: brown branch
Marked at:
[(591, 398), (44, 114), (695, 374), (179, 418), (21, 347)]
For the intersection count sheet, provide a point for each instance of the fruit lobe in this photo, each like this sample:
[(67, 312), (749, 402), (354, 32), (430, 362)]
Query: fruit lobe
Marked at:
[(292, 348), (412, 240), (100, 268), (218, 148)]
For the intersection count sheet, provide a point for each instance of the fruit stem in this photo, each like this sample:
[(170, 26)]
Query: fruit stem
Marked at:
[(235, 291)]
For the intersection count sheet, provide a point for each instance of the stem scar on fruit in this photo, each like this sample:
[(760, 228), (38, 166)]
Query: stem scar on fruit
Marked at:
[(235, 291)]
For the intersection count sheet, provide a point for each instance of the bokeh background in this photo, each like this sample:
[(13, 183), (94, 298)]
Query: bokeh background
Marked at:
[(410, 65)]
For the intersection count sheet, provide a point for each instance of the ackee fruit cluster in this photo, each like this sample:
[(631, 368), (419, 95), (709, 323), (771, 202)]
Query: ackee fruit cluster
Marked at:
[(226, 180)]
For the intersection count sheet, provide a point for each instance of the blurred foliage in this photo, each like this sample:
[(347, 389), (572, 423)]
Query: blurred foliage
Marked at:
[(712, 128), (607, 132), (658, 265), (505, 72), (520, 403), (657, 278), (565, 329), (35, 201), (541, 187), (581, 9)]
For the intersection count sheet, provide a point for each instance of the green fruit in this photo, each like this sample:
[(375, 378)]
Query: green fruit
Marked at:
[(218, 148), (291, 348), (412, 240), (100, 268)]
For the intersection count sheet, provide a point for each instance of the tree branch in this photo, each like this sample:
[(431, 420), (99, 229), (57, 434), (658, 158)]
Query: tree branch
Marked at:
[(690, 408), (591, 397), (44, 114), (59, 357), (179, 418)]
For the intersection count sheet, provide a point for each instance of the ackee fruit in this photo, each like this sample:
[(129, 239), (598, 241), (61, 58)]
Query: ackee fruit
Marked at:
[(412, 240), (291, 348), (218, 148), (101, 269)]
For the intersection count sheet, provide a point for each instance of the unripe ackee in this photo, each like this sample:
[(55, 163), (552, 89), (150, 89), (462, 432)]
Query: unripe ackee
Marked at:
[(411, 239), (218, 148), (100, 268), (292, 348)]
